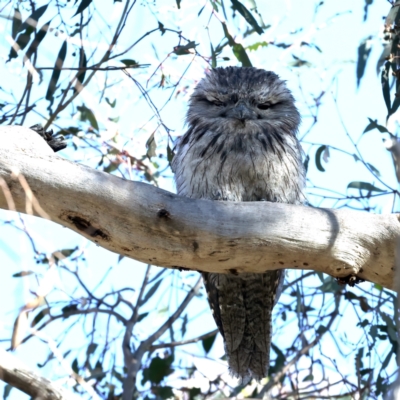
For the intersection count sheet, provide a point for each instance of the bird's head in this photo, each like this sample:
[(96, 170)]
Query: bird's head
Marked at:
[(242, 98)]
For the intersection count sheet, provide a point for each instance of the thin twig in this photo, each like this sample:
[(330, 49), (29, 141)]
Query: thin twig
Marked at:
[(183, 342)]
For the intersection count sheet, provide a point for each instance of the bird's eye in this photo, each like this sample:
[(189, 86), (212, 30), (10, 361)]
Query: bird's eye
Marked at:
[(218, 103), (263, 106)]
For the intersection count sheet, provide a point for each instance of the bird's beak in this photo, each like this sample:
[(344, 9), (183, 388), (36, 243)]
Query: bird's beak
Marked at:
[(242, 112)]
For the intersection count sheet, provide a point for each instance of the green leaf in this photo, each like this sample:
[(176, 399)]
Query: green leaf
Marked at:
[(279, 361), (142, 316), (117, 375), (40, 35), (396, 103), (306, 163), (32, 20), (373, 124), (318, 155), (39, 316), (161, 28), (322, 329), (364, 304), (284, 46), (214, 5), (158, 369), (385, 85), (72, 130), (193, 393), (391, 328), (309, 377), (224, 11), (380, 385), (82, 64), (150, 292), (321, 276), (366, 371), (358, 359), (16, 23), (21, 43), (201, 10), (86, 114), (350, 296), (387, 360), (373, 169), (183, 50), (312, 45), (163, 392), (75, 366), (7, 391), (69, 308), (208, 342), (56, 72), (151, 146), (247, 15), (299, 62), (364, 51), (170, 154), (68, 252), (184, 324), (256, 45), (330, 285), (237, 48), (241, 55), (97, 372), (364, 186), (130, 63), (111, 167), (84, 4), (22, 274), (367, 4), (91, 348), (213, 57), (364, 323), (111, 103)]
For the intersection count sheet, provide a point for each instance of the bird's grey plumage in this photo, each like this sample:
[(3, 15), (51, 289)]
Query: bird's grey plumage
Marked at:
[(241, 145)]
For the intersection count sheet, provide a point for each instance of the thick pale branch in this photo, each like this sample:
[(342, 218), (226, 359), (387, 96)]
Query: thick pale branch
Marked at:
[(15, 373), (160, 228)]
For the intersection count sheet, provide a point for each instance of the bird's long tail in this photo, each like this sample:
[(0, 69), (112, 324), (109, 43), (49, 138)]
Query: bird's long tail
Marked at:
[(242, 308)]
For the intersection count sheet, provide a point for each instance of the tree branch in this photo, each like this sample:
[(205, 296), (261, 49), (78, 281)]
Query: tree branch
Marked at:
[(135, 362), (183, 342), (157, 227), (16, 374)]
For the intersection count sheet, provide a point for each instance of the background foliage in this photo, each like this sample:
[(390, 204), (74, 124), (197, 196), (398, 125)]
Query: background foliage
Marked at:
[(114, 79)]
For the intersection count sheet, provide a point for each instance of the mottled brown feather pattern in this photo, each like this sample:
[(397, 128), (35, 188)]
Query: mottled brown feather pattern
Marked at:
[(241, 145)]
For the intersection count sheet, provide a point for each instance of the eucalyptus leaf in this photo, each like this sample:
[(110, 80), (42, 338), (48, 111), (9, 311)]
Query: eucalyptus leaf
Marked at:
[(364, 50), (364, 186), (82, 6)]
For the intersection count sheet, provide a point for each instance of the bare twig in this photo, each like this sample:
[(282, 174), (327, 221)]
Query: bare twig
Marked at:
[(94, 68), (183, 342), (304, 350), (136, 359)]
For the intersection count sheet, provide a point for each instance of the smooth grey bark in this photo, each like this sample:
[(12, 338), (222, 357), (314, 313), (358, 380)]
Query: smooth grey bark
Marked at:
[(16, 374), (157, 227)]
